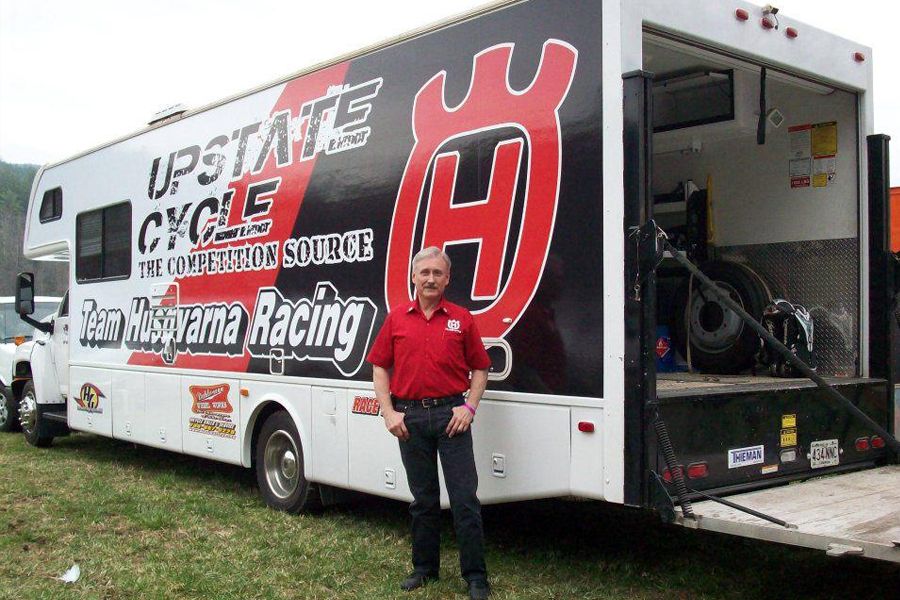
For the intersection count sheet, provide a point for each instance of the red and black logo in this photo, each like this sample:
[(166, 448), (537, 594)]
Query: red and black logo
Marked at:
[(510, 223)]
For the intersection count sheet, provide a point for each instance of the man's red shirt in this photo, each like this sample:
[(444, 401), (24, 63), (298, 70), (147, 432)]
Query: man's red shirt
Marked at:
[(430, 359)]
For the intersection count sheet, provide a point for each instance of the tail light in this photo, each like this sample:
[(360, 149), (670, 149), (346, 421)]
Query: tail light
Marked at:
[(667, 474), (877, 442), (862, 444), (697, 470)]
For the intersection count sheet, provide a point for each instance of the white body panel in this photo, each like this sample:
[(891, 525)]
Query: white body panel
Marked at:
[(527, 445)]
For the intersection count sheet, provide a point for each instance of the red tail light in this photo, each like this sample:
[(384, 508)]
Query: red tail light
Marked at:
[(667, 474), (862, 444), (877, 442), (586, 427), (697, 470)]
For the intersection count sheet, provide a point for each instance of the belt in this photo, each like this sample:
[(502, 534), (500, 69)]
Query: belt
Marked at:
[(425, 402)]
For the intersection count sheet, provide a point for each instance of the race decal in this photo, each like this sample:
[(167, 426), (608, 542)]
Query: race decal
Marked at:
[(213, 411), (366, 405), (742, 457), (528, 121), (88, 399)]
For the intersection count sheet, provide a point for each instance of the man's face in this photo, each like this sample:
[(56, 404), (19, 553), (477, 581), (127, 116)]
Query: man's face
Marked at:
[(431, 277)]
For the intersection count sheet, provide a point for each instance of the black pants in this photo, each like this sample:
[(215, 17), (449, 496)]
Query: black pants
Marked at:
[(428, 438)]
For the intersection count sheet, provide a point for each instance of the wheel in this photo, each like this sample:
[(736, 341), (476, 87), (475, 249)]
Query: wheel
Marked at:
[(720, 341), (33, 426), (9, 412), (279, 467)]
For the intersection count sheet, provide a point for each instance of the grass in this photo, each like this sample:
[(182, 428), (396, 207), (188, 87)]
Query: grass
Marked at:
[(143, 523)]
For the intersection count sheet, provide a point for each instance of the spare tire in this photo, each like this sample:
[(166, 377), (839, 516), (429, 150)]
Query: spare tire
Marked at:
[(720, 341)]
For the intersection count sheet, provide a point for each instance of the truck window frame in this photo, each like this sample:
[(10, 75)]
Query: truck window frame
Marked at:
[(104, 241), (53, 198)]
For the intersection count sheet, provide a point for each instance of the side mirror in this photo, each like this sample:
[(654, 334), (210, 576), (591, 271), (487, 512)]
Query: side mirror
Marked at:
[(25, 294)]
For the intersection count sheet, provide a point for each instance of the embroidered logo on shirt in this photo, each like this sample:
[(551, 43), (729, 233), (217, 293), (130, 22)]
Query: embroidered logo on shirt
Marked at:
[(453, 325)]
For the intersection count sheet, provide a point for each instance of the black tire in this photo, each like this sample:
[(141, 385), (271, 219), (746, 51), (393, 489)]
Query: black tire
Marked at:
[(279, 467), (9, 410), (36, 430), (720, 342)]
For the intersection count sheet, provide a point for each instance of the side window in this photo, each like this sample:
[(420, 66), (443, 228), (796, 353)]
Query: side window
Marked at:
[(103, 244), (64, 306), (51, 205)]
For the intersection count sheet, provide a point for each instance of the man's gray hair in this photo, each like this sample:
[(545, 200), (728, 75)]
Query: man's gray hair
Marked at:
[(430, 252)]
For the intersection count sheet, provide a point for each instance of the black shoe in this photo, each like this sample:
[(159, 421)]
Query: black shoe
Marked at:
[(479, 589), (416, 580)]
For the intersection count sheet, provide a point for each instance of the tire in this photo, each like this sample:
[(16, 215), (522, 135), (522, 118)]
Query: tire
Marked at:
[(279, 467), (720, 342), (34, 427), (9, 411)]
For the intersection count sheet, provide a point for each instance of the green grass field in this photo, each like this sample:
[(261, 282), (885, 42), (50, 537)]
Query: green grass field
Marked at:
[(143, 523)]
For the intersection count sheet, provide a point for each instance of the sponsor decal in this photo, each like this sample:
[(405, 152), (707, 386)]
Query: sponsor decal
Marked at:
[(88, 399), (213, 410), (528, 119), (323, 327), (366, 405), (789, 437), (742, 457), (210, 398)]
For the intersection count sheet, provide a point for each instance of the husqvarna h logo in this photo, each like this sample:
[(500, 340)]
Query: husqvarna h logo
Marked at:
[(516, 216)]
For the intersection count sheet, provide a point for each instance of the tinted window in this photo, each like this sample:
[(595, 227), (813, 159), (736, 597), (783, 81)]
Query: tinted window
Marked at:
[(51, 205), (103, 243), (12, 326)]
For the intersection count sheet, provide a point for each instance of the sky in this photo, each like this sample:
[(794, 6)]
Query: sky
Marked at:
[(76, 74)]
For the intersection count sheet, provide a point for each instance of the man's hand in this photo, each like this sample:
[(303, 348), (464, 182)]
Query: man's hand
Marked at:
[(460, 421), (393, 420)]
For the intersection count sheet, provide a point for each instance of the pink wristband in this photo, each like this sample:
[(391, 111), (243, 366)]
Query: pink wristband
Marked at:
[(469, 407)]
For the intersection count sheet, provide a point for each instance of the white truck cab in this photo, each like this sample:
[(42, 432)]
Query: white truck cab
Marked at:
[(13, 334)]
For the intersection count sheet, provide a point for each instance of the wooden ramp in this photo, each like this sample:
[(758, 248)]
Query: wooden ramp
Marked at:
[(847, 514)]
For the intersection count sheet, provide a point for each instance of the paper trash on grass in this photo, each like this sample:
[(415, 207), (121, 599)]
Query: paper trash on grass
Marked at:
[(72, 575)]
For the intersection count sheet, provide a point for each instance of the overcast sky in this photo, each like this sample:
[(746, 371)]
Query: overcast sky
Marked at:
[(76, 73)]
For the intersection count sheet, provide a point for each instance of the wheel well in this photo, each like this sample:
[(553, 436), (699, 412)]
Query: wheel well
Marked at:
[(21, 376), (265, 412)]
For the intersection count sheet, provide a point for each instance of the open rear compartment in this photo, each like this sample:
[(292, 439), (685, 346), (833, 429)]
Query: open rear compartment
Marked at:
[(769, 208)]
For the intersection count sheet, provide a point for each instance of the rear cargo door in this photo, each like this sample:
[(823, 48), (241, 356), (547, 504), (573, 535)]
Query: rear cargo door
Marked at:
[(850, 514)]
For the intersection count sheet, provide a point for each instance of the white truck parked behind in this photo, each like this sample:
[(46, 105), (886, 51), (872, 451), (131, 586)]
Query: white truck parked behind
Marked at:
[(230, 266)]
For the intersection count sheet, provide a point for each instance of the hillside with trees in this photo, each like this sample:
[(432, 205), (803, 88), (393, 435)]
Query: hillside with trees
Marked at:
[(15, 187)]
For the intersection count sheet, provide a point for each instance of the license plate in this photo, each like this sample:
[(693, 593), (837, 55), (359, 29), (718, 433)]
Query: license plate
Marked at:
[(824, 453)]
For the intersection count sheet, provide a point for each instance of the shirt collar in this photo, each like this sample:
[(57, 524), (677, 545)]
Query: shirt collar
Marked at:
[(413, 306)]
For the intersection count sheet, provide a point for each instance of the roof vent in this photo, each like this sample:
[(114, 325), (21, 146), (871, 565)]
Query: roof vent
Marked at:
[(168, 113)]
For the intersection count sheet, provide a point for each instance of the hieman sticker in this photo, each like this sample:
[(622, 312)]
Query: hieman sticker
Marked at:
[(742, 457)]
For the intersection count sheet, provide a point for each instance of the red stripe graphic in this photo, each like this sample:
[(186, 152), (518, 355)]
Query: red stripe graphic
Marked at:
[(243, 286)]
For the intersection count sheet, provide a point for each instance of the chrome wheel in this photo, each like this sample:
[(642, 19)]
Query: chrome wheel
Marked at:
[(28, 412), (281, 463)]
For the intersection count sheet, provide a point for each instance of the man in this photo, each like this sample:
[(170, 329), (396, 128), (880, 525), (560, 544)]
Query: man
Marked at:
[(421, 361)]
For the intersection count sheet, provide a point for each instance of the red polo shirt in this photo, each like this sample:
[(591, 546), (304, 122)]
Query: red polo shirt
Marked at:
[(430, 359)]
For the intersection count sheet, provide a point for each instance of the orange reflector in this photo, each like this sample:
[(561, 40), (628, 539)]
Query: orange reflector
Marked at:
[(741, 14), (19, 340), (245, 392), (586, 426), (862, 444), (697, 470), (877, 442)]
